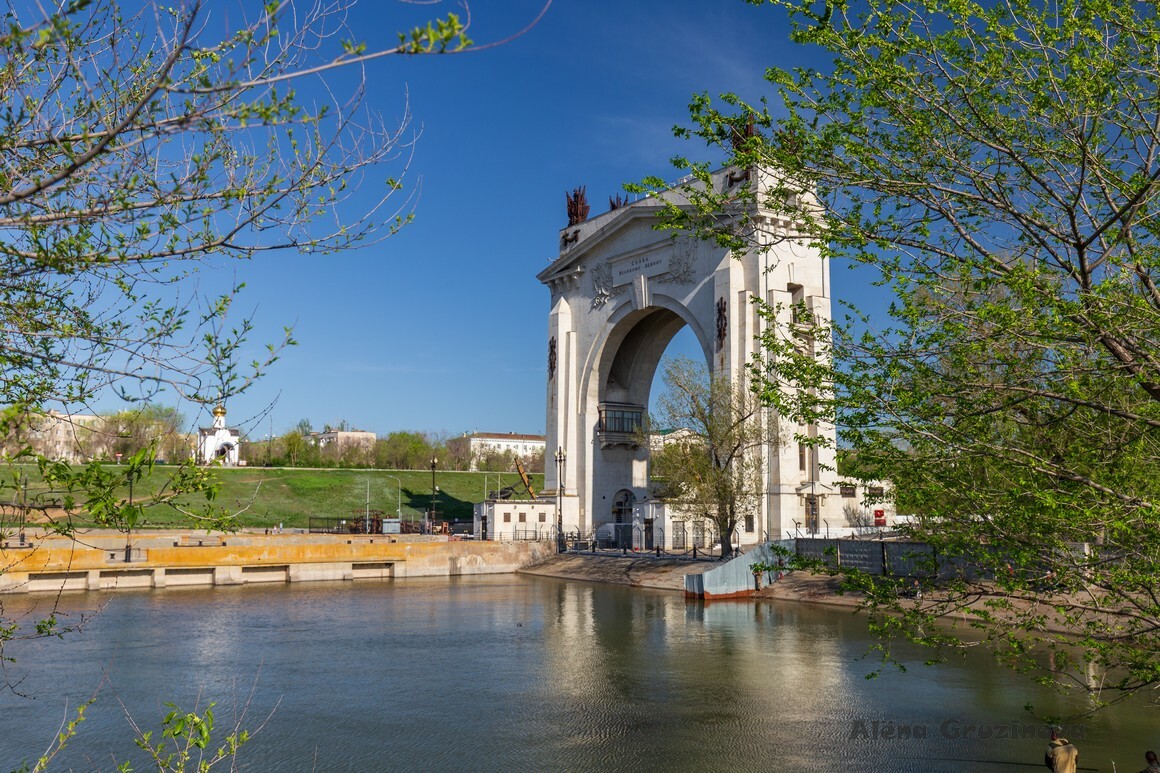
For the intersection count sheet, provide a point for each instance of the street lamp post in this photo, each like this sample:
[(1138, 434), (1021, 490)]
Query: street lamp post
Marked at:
[(128, 531), (813, 508), (561, 459), (431, 521)]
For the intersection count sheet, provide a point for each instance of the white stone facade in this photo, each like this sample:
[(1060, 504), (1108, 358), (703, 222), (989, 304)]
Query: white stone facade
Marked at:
[(481, 443), (344, 438), (515, 519), (620, 291), (218, 444)]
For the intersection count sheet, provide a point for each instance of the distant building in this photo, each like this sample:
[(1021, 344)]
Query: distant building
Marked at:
[(341, 439), (79, 438), (64, 437), (660, 439), (481, 444), (218, 443)]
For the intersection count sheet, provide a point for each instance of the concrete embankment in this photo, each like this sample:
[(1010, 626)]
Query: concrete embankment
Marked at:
[(100, 560), (96, 560), (639, 571)]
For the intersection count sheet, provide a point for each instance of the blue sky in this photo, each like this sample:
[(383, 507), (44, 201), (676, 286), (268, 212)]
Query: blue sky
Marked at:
[(442, 327)]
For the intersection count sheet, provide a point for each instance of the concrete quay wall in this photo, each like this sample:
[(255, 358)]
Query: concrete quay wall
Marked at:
[(97, 562)]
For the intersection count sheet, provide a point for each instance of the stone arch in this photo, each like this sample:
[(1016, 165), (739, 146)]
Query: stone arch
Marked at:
[(621, 290), (631, 349)]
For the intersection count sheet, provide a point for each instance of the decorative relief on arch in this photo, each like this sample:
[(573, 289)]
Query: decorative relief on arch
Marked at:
[(680, 262), (602, 285), (552, 358), (722, 322)]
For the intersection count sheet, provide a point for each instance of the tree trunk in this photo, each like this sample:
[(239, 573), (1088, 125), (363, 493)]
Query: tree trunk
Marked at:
[(725, 533)]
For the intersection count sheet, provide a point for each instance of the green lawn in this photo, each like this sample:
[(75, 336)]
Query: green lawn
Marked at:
[(271, 496), (290, 496)]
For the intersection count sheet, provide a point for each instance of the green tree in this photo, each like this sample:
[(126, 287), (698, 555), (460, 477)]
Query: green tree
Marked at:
[(347, 454), (457, 452), (997, 163), (533, 463), (404, 451), (295, 447), (135, 145), (154, 426), (497, 460), (714, 472), (187, 741)]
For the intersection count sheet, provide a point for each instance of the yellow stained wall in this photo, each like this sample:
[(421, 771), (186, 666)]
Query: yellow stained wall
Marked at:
[(305, 557)]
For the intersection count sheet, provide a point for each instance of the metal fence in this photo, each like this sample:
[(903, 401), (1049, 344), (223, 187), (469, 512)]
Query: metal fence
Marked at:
[(637, 540), (522, 534), (902, 559), (626, 538), (372, 525)]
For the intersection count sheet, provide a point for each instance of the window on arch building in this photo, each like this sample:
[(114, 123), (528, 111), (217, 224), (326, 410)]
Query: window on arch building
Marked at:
[(625, 419)]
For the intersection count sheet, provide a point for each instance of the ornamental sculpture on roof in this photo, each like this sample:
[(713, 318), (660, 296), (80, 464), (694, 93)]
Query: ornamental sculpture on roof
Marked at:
[(577, 205)]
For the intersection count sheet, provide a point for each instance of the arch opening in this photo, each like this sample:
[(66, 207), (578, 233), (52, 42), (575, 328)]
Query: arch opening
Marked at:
[(629, 370), (684, 345)]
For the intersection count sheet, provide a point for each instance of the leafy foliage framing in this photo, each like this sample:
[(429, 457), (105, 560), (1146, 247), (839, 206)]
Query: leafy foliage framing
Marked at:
[(997, 163)]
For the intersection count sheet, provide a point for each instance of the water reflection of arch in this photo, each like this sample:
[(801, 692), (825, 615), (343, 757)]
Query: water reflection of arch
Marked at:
[(608, 643), (781, 649), (598, 632)]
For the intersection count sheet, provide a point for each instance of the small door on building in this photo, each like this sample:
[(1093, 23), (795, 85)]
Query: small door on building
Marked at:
[(622, 507), (648, 534), (812, 514)]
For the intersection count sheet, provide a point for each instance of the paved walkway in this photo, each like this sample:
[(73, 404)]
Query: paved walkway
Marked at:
[(639, 571)]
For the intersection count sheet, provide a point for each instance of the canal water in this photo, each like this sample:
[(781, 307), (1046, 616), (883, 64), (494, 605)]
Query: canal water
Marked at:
[(514, 673)]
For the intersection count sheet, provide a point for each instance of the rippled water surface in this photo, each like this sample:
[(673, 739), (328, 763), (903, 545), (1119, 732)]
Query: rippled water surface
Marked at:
[(517, 673)]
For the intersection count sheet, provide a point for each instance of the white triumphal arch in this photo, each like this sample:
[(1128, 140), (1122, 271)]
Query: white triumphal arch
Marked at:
[(621, 289)]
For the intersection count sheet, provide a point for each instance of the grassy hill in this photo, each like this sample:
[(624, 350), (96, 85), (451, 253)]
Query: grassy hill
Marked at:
[(291, 496), (271, 496)]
